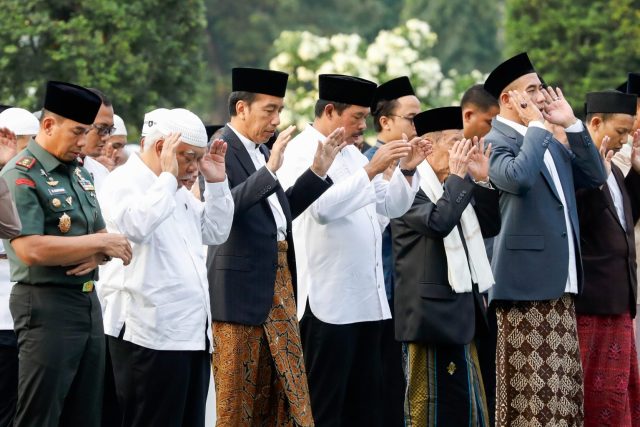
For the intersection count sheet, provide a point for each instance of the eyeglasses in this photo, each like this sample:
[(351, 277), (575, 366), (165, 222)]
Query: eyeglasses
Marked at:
[(409, 118), (103, 130)]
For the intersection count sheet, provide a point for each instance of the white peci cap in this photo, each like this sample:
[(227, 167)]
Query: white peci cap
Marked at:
[(151, 119), (118, 123), (190, 127), (19, 121)]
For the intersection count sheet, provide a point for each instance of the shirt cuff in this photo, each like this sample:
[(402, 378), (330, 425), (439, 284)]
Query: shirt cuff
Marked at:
[(272, 174), (576, 127), (324, 177), (536, 124), (216, 189)]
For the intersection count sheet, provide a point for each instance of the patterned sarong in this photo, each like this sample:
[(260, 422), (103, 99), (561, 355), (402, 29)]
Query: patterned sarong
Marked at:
[(444, 386), (610, 364), (538, 370), (259, 372)]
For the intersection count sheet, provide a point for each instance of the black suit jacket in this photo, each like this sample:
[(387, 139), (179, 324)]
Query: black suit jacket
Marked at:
[(242, 270), (421, 269), (608, 251)]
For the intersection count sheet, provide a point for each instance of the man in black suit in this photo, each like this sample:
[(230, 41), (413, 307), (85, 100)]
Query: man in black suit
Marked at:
[(441, 268), (606, 307), (258, 367)]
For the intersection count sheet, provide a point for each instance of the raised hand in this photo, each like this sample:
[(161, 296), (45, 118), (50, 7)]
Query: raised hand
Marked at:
[(388, 153), (212, 164), (526, 109), (420, 149), (556, 108), (277, 151), (327, 151), (607, 155), (459, 156), (478, 166), (168, 159), (8, 145)]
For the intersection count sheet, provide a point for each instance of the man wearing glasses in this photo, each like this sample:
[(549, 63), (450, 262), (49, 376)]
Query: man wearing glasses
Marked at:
[(393, 108), (97, 138)]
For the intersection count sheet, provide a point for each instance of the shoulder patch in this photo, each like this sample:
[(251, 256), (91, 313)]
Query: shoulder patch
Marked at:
[(25, 181), (26, 162)]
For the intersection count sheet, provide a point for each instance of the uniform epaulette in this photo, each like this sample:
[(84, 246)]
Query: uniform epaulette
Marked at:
[(26, 162)]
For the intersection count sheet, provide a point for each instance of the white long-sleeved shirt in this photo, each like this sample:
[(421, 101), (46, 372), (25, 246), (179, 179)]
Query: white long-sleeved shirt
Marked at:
[(338, 239), (6, 321), (97, 170), (572, 277), (162, 296)]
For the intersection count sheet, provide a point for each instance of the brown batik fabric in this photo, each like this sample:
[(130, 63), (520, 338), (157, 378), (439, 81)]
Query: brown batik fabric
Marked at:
[(538, 370), (259, 371)]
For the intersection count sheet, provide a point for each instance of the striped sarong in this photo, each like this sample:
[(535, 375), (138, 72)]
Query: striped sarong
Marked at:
[(444, 386)]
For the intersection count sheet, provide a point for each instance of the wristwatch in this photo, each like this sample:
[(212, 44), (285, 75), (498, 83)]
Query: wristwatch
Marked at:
[(408, 172)]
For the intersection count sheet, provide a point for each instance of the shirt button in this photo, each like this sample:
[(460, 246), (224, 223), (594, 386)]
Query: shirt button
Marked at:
[(564, 234), (560, 207)]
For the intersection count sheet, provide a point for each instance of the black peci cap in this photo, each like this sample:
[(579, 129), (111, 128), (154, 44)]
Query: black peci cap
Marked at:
[(72, 102), (256, 80), (507, 72), (611, 101), (393, 89), (346, 89), (438, 119)]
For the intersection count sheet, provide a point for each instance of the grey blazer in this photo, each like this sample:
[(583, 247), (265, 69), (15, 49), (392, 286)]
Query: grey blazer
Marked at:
[(531, 254)]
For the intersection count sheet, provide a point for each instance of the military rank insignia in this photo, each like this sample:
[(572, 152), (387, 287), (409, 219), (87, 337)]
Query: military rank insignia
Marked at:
[(26, 162)]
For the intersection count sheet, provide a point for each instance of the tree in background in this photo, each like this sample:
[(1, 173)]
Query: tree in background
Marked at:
[(581, 46), (142, 54), (468, 31), (403, 51)]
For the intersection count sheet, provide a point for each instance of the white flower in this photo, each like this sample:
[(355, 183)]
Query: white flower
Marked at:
[(305, 75), (281, 62)]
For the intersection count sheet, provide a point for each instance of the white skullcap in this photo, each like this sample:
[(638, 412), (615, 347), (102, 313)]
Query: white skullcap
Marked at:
[(151, 119), (19, 121), (118, 123), (190, 127)]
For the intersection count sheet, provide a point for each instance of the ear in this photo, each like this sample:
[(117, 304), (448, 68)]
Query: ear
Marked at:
[(329, 110), (595, 122), (158, 147), (47, 124), (240, 107), (505, 99), (384, 121), (466, 115)]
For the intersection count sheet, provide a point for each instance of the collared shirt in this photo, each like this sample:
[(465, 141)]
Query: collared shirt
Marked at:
[(572, 277), (616, 195), (97, 170), (52, 198), (259, 161), (338, 239), (162, 296)]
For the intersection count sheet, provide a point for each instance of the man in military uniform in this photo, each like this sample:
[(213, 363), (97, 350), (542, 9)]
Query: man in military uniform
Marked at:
[(56, 313)]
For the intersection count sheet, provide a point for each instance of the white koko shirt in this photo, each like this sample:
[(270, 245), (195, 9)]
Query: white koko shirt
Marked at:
[(337, 239), (162, 296), (97, 170)]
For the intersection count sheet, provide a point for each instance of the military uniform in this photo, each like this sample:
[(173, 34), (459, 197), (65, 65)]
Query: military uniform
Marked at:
[(57, 318)]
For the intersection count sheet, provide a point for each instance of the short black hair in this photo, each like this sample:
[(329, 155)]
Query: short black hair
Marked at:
[(384, 107), (321, 104), (478, 96), (106, 101), (239, 95)]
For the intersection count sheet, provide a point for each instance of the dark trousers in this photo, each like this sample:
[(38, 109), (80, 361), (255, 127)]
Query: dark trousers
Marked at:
[(157, 387), (61, 351), (111, 414), (8, 384), (392, 376), (344, 370)]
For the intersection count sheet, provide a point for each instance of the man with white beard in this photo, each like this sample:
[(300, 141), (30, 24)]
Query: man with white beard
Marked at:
[(156, 310)]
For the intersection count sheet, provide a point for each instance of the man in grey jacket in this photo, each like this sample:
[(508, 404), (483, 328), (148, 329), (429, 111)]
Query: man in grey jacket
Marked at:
[(536, 259)]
